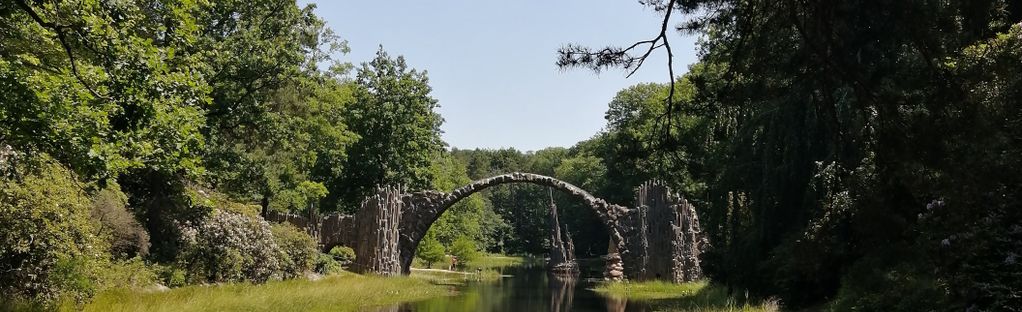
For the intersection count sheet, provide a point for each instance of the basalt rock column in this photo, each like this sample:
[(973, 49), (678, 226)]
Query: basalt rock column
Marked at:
[(377, 232), (562, 250), (663, 237)]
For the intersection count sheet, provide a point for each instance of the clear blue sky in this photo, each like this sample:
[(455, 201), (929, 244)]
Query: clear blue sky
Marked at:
[(491, 63)]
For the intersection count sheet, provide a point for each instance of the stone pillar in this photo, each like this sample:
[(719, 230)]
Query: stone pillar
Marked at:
[(615, 270), (664, 241), (692, 241), (562, 250), (377, 225)]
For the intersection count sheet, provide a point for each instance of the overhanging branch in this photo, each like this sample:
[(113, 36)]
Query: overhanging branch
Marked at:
[(62, 38)]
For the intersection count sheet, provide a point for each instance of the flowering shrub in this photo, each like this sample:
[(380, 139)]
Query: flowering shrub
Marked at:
[(299, 249), (229, 247)]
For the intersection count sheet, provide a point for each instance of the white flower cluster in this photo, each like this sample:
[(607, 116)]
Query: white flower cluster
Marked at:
[(228, 247)]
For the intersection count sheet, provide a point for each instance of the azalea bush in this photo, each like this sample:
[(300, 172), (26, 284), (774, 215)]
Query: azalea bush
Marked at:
[(229, 247)]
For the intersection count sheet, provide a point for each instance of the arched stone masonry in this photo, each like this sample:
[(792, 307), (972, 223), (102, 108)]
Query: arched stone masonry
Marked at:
[(659, 239)]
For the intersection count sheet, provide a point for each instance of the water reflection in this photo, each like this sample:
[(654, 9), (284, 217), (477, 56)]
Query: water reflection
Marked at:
[(529, 288), (562, 291)]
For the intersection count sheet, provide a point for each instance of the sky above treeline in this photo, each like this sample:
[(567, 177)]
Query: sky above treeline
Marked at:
[(492, 63)]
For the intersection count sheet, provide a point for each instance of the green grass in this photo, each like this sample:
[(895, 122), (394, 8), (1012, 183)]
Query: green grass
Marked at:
[(695, 296), (342, 292), (485, 268), (492, 261), (453, 278), (484, 262)]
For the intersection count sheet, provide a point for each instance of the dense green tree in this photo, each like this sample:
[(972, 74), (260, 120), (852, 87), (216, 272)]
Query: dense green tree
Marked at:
[(465, 218), (465, 250), (103, 95), (398, 131), (842, 127), (430, 250), (587, 231), (180, 101)]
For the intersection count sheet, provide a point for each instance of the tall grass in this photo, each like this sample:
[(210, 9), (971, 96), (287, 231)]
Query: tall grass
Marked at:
[(343, 292), (695, 296)]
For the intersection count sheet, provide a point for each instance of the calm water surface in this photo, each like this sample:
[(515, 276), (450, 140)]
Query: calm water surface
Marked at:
[(527, 288)]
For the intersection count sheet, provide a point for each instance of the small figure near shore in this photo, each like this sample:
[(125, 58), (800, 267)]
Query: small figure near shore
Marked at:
[(454, 263)]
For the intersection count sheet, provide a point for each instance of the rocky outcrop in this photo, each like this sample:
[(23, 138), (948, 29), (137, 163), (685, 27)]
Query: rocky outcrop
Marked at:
[(662, 237), (562, 249)]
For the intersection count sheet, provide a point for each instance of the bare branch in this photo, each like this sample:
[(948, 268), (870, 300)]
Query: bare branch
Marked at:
[(576, 56)]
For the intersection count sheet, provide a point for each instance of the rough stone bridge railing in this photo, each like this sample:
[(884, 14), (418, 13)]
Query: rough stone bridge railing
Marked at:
[(659, 238)]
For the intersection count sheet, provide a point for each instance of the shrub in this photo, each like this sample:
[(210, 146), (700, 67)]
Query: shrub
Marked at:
[(130, 274), (300, 249), (873, 284), (48, 245), (127, 238), (172, 276), (430, 250), (465, 249), (343, 254), (326, 265), (229, 247)]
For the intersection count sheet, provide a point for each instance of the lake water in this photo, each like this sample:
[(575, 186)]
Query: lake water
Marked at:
[(527, 288)]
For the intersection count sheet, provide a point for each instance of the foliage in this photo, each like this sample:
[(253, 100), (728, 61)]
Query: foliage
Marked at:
[(464, 217), (49, 247), (102, 95), (127, 238), (275, 126), (132, 274), (343, 254), (229, 247), (171, 275), (528, 205), (465, 249), (398, 128), (299, 248), (326, 265), (899, 287), (430, 250), (827, 144)]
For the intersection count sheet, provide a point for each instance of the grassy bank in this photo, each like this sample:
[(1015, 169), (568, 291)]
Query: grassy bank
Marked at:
[(484, 268), (695, 296), (343, 292), (492, 261), (486, 261)]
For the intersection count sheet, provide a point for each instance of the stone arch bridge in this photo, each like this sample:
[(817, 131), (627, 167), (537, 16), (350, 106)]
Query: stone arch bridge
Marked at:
[(657, 239)]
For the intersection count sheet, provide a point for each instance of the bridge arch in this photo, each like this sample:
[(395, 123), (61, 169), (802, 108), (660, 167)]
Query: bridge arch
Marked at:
[(422, 209)]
